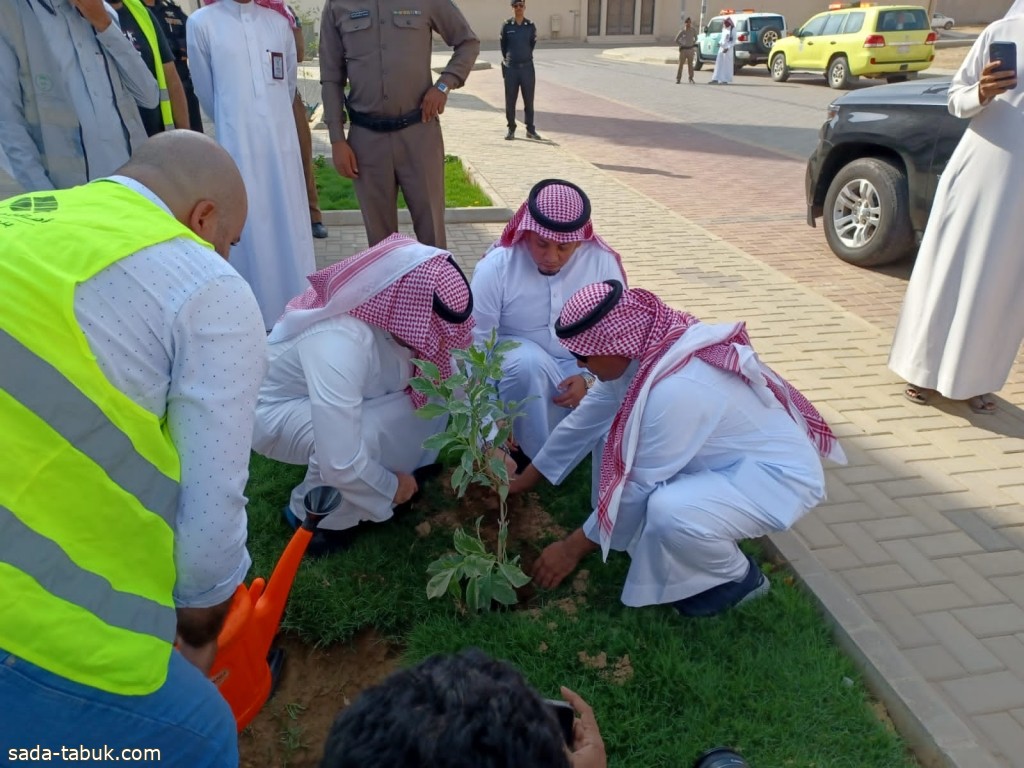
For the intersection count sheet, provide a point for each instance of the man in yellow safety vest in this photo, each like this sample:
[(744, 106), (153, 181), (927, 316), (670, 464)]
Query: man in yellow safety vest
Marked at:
[(132, 354)]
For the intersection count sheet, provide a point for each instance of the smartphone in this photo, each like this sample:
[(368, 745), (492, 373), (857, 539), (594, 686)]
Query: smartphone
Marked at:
[(566, 717), (1005, 53)]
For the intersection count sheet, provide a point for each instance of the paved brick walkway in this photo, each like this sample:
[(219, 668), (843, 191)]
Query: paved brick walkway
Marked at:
[(918, 555)]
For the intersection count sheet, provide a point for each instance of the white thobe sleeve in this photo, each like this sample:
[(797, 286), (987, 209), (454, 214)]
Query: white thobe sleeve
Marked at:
[(487, 297), (964, 99), (200, 66), (336, 366), (21, 150), (219, 362), (135, 75), (680, 414), (578, 433)]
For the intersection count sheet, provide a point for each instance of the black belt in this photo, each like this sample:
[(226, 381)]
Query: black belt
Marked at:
[(383, 124), (687, 47)]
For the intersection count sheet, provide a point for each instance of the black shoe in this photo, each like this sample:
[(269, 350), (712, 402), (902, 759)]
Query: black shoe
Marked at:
[(677, 82), (319, 230), (533, 135), (721, 598), (510, 135), (692, 80)]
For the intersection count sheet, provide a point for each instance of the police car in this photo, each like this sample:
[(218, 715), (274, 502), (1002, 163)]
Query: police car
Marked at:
[(756, 33)]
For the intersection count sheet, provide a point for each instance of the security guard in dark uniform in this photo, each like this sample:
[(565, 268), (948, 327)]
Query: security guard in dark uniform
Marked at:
[(172, 21), (518, 38)]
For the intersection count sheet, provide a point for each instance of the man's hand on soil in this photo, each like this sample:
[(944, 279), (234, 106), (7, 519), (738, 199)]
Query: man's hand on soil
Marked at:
[(407, 487), (560, 559)]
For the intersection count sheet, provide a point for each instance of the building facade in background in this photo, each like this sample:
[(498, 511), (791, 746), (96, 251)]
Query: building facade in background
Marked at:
[(648, 21)]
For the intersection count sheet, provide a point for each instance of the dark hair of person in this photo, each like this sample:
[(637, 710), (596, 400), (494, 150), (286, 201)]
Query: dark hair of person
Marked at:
[(461, 711)]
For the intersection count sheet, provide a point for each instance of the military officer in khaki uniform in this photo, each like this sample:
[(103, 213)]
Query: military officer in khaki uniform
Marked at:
[(381, 49)]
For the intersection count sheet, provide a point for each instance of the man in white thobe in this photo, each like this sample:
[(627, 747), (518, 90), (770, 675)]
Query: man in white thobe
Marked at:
[(337, 394), (70, 92), (547, 252), (706, 446), (244, 68), (961, 325), (724, 63)]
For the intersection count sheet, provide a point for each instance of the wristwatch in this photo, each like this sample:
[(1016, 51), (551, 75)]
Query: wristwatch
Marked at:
[(440, 85), (589, 379)]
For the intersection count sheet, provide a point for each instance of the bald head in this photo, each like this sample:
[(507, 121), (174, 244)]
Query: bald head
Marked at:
[(197, 179)]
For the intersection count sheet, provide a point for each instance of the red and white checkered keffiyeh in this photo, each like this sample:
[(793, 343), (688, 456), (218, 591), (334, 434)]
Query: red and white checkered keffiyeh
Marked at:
[(391, 286), (642, 327), (561, 203), (278, 6)]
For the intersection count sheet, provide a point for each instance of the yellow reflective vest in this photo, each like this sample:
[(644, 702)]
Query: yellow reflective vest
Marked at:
[(89, 480), (144, 19)]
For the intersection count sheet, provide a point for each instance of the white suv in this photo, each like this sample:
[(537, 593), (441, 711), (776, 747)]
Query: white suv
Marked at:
[(756, 33)]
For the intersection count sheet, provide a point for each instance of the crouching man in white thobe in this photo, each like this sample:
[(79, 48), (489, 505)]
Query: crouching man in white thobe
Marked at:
[(706, 446), (337, 396), (547, 252)]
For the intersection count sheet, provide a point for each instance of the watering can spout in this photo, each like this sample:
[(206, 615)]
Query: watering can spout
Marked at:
[(241, 670), (269, 608)]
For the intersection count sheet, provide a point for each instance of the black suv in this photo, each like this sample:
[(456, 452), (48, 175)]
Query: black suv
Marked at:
[(873, 175)]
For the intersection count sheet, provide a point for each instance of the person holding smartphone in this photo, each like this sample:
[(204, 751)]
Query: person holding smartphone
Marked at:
[(961, 326), (463, 710)]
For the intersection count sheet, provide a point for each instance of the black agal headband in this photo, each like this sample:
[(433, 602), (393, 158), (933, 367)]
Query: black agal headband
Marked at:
[(595, 316), (545, 221), (448, 314)]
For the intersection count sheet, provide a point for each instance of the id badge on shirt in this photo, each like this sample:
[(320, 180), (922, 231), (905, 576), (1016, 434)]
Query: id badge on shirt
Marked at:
[(277, 65)]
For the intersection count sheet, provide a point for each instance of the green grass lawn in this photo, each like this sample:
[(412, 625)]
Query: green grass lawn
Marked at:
[(336, 193), (765, 679)]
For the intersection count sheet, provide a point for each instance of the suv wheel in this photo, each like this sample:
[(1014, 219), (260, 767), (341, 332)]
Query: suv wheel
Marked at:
[(698, 62), (948, 25), (779, 70), (767, 37), (867, 213), (839, 73)]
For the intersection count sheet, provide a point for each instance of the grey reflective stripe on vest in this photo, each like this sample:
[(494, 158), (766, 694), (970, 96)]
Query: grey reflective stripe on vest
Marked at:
[(46, 392), (44, 560)]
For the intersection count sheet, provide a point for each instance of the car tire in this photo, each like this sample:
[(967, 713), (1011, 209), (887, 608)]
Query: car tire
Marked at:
[(767, 37), (698, 63), (838, 74), (897, 78), (778, 68), (867, 213), (947, 26)]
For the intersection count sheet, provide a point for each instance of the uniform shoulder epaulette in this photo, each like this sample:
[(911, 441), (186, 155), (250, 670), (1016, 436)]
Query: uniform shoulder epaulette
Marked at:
[(510, 20)]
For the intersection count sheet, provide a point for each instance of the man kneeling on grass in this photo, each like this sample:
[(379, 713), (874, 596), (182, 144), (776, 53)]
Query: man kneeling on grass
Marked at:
[(706, 446), (337, 397)]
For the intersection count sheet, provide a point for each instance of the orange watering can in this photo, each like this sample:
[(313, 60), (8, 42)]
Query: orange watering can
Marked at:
[(245, 669)]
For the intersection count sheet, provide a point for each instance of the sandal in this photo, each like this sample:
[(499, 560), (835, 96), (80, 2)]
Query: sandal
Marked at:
[(982, 404), (919, 395)]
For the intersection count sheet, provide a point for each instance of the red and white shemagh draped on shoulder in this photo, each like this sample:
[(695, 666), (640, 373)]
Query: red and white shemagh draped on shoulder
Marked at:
[(558, 211), (275, 5), (413, 291), (639, 326)]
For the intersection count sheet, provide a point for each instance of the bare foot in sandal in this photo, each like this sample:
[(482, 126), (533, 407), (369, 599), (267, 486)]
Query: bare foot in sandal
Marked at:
[(919, 395), (982, 404)]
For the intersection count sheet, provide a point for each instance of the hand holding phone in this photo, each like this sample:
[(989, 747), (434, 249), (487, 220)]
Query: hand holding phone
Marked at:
[(1000, 74)]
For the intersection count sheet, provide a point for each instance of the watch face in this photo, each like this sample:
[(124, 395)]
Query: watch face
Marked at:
[(442, 88)]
